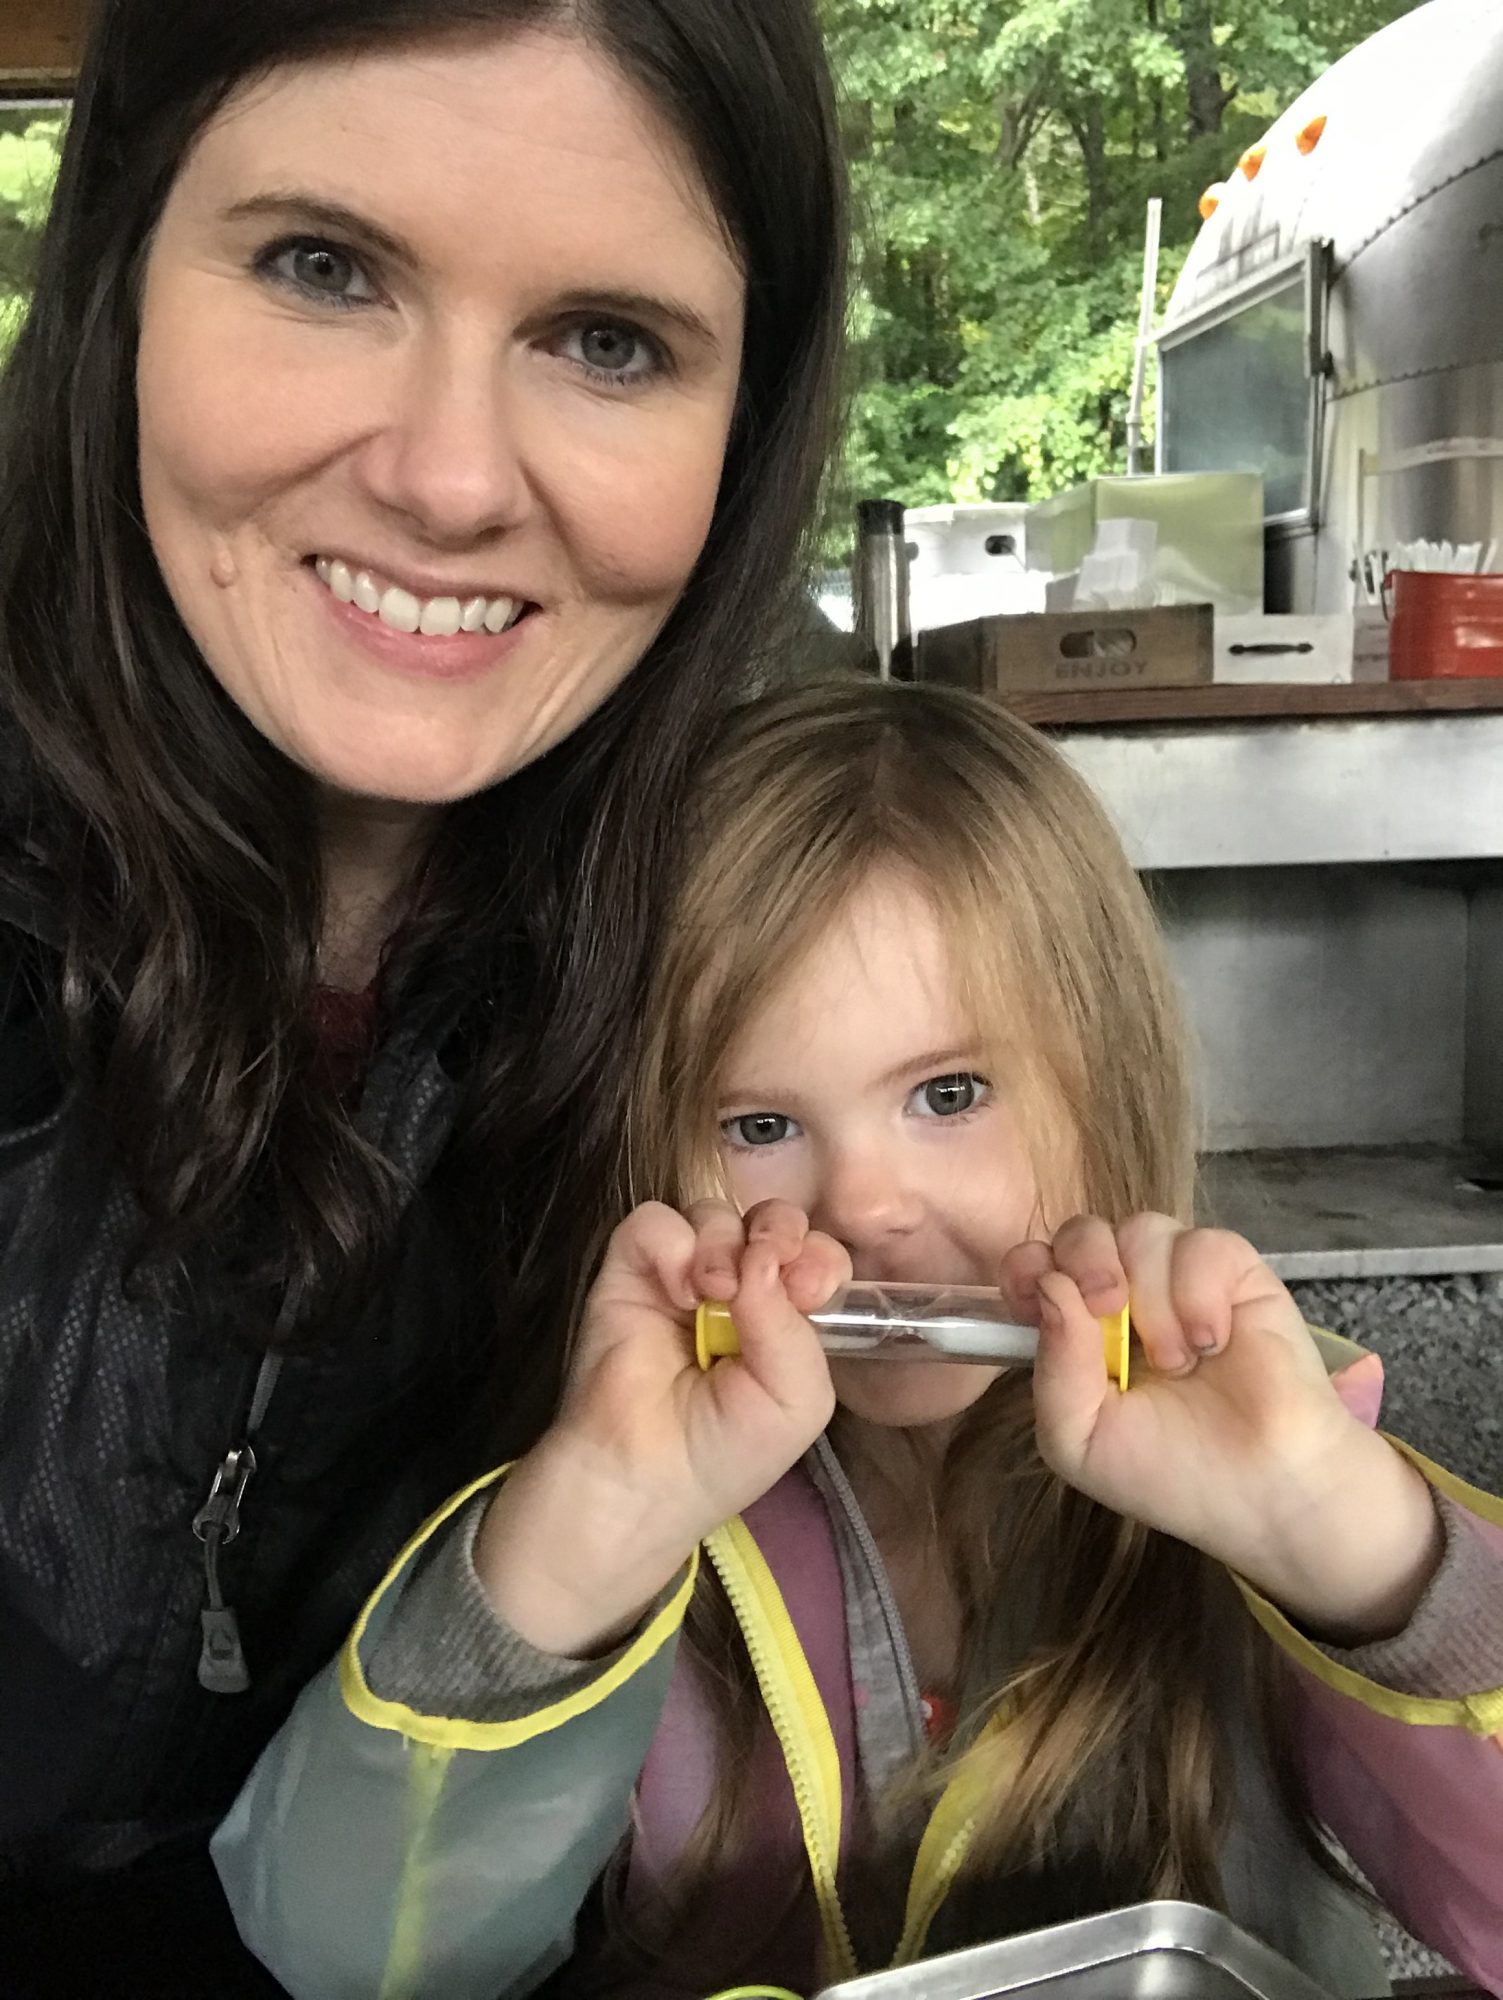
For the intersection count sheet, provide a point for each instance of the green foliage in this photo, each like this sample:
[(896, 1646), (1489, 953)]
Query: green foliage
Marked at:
[(1004, 152), (30, 141)]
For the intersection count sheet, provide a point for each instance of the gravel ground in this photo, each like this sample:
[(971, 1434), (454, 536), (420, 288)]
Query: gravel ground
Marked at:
[(1441, 1340)]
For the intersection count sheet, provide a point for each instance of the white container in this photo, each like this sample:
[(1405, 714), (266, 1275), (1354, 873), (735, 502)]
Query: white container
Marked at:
[(1299, 648)]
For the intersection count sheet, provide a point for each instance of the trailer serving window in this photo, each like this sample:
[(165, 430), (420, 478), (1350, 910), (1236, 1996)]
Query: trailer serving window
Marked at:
[(1240, 383)]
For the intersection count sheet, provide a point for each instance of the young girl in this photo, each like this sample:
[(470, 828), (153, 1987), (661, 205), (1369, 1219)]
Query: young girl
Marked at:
[(972, 1650)]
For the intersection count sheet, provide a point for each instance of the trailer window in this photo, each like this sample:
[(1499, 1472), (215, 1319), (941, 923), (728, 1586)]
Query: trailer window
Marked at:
[(1236, 395)]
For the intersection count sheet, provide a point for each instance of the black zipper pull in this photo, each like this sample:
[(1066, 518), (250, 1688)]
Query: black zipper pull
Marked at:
[(221, 1658)]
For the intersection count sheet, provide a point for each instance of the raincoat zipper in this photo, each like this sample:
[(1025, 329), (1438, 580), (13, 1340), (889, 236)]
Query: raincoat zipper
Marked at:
[(802, 1729)]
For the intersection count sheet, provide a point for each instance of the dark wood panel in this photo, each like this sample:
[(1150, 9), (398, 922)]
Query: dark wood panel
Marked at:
[(40, 43)]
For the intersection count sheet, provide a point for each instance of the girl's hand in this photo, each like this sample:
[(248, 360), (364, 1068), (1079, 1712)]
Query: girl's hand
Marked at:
[(649, 1453), (1232, 1437)]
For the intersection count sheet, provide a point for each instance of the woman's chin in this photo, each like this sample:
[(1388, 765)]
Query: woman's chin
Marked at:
[(395, 767)]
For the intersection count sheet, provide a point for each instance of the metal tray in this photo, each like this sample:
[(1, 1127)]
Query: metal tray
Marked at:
[(1152, 1951)]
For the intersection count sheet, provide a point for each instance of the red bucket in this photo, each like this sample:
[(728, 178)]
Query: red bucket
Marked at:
[(1445, 627)]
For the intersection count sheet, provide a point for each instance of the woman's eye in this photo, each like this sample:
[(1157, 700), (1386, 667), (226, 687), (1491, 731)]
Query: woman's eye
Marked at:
[(612, 353), (758, 1128), (950, 1096), (319, 270)]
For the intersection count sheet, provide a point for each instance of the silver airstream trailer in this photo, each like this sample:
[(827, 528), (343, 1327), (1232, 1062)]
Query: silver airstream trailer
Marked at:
[(1338, 326)]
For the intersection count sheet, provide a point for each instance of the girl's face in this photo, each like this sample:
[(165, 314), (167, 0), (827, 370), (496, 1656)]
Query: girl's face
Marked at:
[(860, 1094), (439, 355)]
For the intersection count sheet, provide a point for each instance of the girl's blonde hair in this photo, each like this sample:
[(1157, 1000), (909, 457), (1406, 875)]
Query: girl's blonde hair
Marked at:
[(1052, 941), (1110, 1753)]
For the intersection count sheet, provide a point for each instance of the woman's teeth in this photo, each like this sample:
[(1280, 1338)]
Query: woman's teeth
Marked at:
[(435, 617)]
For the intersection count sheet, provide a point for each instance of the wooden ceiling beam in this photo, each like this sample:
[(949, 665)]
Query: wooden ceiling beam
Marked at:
[(41, 43)]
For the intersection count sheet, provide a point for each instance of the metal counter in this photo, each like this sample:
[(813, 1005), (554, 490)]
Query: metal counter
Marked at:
[(1332, 896)]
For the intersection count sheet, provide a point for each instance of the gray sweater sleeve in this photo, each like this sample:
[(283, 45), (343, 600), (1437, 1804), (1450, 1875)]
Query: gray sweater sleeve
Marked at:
[(1453, 1644), (446, 1651)]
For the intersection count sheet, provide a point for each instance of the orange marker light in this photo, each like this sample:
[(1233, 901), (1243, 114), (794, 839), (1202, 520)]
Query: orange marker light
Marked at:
[(1251, 162), (1307, 138), (1210, 201)]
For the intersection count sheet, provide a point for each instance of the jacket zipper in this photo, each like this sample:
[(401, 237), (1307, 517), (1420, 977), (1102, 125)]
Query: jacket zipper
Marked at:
[(221, 1658), (793, 1738)]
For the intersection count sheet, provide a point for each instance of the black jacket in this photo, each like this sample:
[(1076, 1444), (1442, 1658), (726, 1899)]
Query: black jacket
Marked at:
[(115, 1763)]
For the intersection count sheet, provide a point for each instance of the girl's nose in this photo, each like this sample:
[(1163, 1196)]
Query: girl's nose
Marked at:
[(448, 459), (864, 1199)]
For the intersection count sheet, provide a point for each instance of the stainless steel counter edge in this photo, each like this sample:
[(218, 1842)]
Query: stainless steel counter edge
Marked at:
[(1291, 794)]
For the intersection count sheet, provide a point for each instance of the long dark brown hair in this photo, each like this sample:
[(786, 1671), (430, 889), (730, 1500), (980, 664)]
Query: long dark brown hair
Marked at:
[(181, 842)]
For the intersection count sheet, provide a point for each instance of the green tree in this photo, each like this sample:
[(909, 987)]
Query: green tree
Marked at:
[(1003, 153), (30, 141)]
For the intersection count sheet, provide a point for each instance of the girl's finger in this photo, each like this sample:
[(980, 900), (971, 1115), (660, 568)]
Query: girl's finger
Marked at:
[(821, 1269), (648, 1262), (1018, 1277), (720, 1237), (1208, 1269), (1085, 1249), (1147, 1245), (780, 1225), (778, 1346), (1070, 1381)]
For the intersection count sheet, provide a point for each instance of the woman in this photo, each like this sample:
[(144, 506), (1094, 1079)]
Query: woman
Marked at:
[(417, 419)]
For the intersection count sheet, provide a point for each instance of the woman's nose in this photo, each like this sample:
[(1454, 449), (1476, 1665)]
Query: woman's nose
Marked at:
[(448, 456), (864, 1198)]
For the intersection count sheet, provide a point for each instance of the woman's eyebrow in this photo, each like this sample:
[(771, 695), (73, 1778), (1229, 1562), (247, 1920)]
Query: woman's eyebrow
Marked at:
[(643, 305), (312, 212)]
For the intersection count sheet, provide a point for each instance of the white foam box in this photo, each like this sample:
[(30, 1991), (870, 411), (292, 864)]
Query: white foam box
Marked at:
[(1309, 649)]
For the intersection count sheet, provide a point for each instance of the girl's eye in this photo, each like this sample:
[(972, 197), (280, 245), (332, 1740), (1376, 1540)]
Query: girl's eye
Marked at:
[(758, 1128), (950, 1096), (318, 270), (613, 353)]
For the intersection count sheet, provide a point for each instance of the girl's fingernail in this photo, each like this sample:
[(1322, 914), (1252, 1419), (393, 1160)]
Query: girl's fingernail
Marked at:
[(1050, 1315), (1102, 1285), (1203, 1340)]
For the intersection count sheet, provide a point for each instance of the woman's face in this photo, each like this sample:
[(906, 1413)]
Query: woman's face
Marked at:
[(439, 354)]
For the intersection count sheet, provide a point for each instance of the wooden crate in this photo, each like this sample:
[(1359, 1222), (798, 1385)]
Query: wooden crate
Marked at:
[(1073, 651)]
